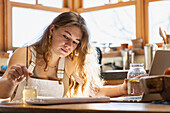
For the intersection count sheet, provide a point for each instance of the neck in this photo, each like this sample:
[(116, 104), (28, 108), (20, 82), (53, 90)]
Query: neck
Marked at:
[(54, 60)]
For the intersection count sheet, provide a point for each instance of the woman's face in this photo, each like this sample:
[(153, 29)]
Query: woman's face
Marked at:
[(65, 39)]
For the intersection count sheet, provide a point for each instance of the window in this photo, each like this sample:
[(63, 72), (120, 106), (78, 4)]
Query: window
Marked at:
[(24, 1), (28, 24), (94, 3), (116, 25), (159, 16), (49, 3), (27, 20)]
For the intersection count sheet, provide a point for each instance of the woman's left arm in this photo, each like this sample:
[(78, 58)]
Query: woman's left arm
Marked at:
[(113, 91), (117, 90)]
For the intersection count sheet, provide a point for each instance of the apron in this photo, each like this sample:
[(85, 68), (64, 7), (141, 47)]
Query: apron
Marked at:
[(45, 88)]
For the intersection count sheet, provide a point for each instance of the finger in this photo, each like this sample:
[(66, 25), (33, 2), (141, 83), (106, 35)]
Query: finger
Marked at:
[(20, 79), (13, 74), (141, 76), (125, 80), (25, 71), (18, 70), (14, 77)]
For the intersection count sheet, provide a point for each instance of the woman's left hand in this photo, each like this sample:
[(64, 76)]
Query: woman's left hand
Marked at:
[(137, 77), (124, 89)]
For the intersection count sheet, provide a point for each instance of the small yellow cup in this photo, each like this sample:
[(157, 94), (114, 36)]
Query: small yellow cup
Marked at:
[(29, 92)]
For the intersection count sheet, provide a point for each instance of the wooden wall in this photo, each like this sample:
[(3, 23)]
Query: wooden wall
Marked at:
[(1, 26)]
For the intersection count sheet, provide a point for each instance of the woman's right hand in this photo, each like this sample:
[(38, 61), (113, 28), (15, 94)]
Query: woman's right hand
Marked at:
[(17, 73)]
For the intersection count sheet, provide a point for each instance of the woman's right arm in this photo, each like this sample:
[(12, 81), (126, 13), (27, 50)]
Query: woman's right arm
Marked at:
[(14, 74)]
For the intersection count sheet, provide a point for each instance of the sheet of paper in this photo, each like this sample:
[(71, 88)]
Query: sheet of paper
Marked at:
[(67, 100)]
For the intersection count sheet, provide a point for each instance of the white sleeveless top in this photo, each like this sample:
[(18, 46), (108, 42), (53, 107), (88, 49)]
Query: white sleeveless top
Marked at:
[(45, 88)]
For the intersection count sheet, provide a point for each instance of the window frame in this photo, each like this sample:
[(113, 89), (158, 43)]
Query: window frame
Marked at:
[(2, 24), (108, 6), (8, 18), (146, 28), (139, 15), (142, 17)]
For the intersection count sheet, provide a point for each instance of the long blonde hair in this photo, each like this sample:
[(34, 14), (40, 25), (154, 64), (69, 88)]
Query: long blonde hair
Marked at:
[(86, 64)]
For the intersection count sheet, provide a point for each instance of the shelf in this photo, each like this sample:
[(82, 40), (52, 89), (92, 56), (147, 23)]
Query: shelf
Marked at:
[(118, 53), (4, 55), (114, 74), (111, 54), (139, 51)]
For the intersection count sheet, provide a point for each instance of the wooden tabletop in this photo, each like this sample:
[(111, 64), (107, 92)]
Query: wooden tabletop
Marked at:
[(113, 107)]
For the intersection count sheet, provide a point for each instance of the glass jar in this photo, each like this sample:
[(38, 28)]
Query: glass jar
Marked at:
[(135, 70), (29, 92)]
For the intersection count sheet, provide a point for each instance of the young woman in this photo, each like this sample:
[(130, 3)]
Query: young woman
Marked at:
[(62, 63)]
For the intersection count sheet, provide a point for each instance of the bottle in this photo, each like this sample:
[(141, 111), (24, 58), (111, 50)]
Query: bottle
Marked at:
[(149, 52), (135, 70)]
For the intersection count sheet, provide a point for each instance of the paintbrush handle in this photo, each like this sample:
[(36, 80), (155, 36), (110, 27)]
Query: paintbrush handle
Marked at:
[(27, 64), (161, 34)]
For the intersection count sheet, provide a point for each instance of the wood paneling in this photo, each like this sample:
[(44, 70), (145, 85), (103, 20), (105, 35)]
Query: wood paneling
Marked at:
[(7, 25), (140, 21), (146, 22), (78, 4), (1, 25), (68, 4)]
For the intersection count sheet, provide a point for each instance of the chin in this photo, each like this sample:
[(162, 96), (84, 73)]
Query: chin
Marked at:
[(62, 55)]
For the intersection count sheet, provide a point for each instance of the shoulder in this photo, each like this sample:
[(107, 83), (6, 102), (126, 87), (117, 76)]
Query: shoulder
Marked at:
[(19, 50), (19, 56)]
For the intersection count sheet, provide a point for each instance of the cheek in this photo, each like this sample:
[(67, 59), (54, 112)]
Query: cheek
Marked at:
[(74, 47), (56, 42), (55, 45)]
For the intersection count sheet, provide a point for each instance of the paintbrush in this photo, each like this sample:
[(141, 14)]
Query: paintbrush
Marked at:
[(27, 65), (166, 38), (161, 34)]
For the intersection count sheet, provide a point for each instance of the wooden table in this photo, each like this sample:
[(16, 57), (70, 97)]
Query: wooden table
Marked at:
[(113, 107)]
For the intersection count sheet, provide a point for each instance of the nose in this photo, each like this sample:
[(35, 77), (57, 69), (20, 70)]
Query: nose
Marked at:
[(68, 44)]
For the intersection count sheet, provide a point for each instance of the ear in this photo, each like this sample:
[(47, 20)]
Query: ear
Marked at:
[(52, 27)]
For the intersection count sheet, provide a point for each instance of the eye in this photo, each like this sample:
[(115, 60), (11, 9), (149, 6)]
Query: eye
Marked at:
[(65, 37), (74, 42)]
